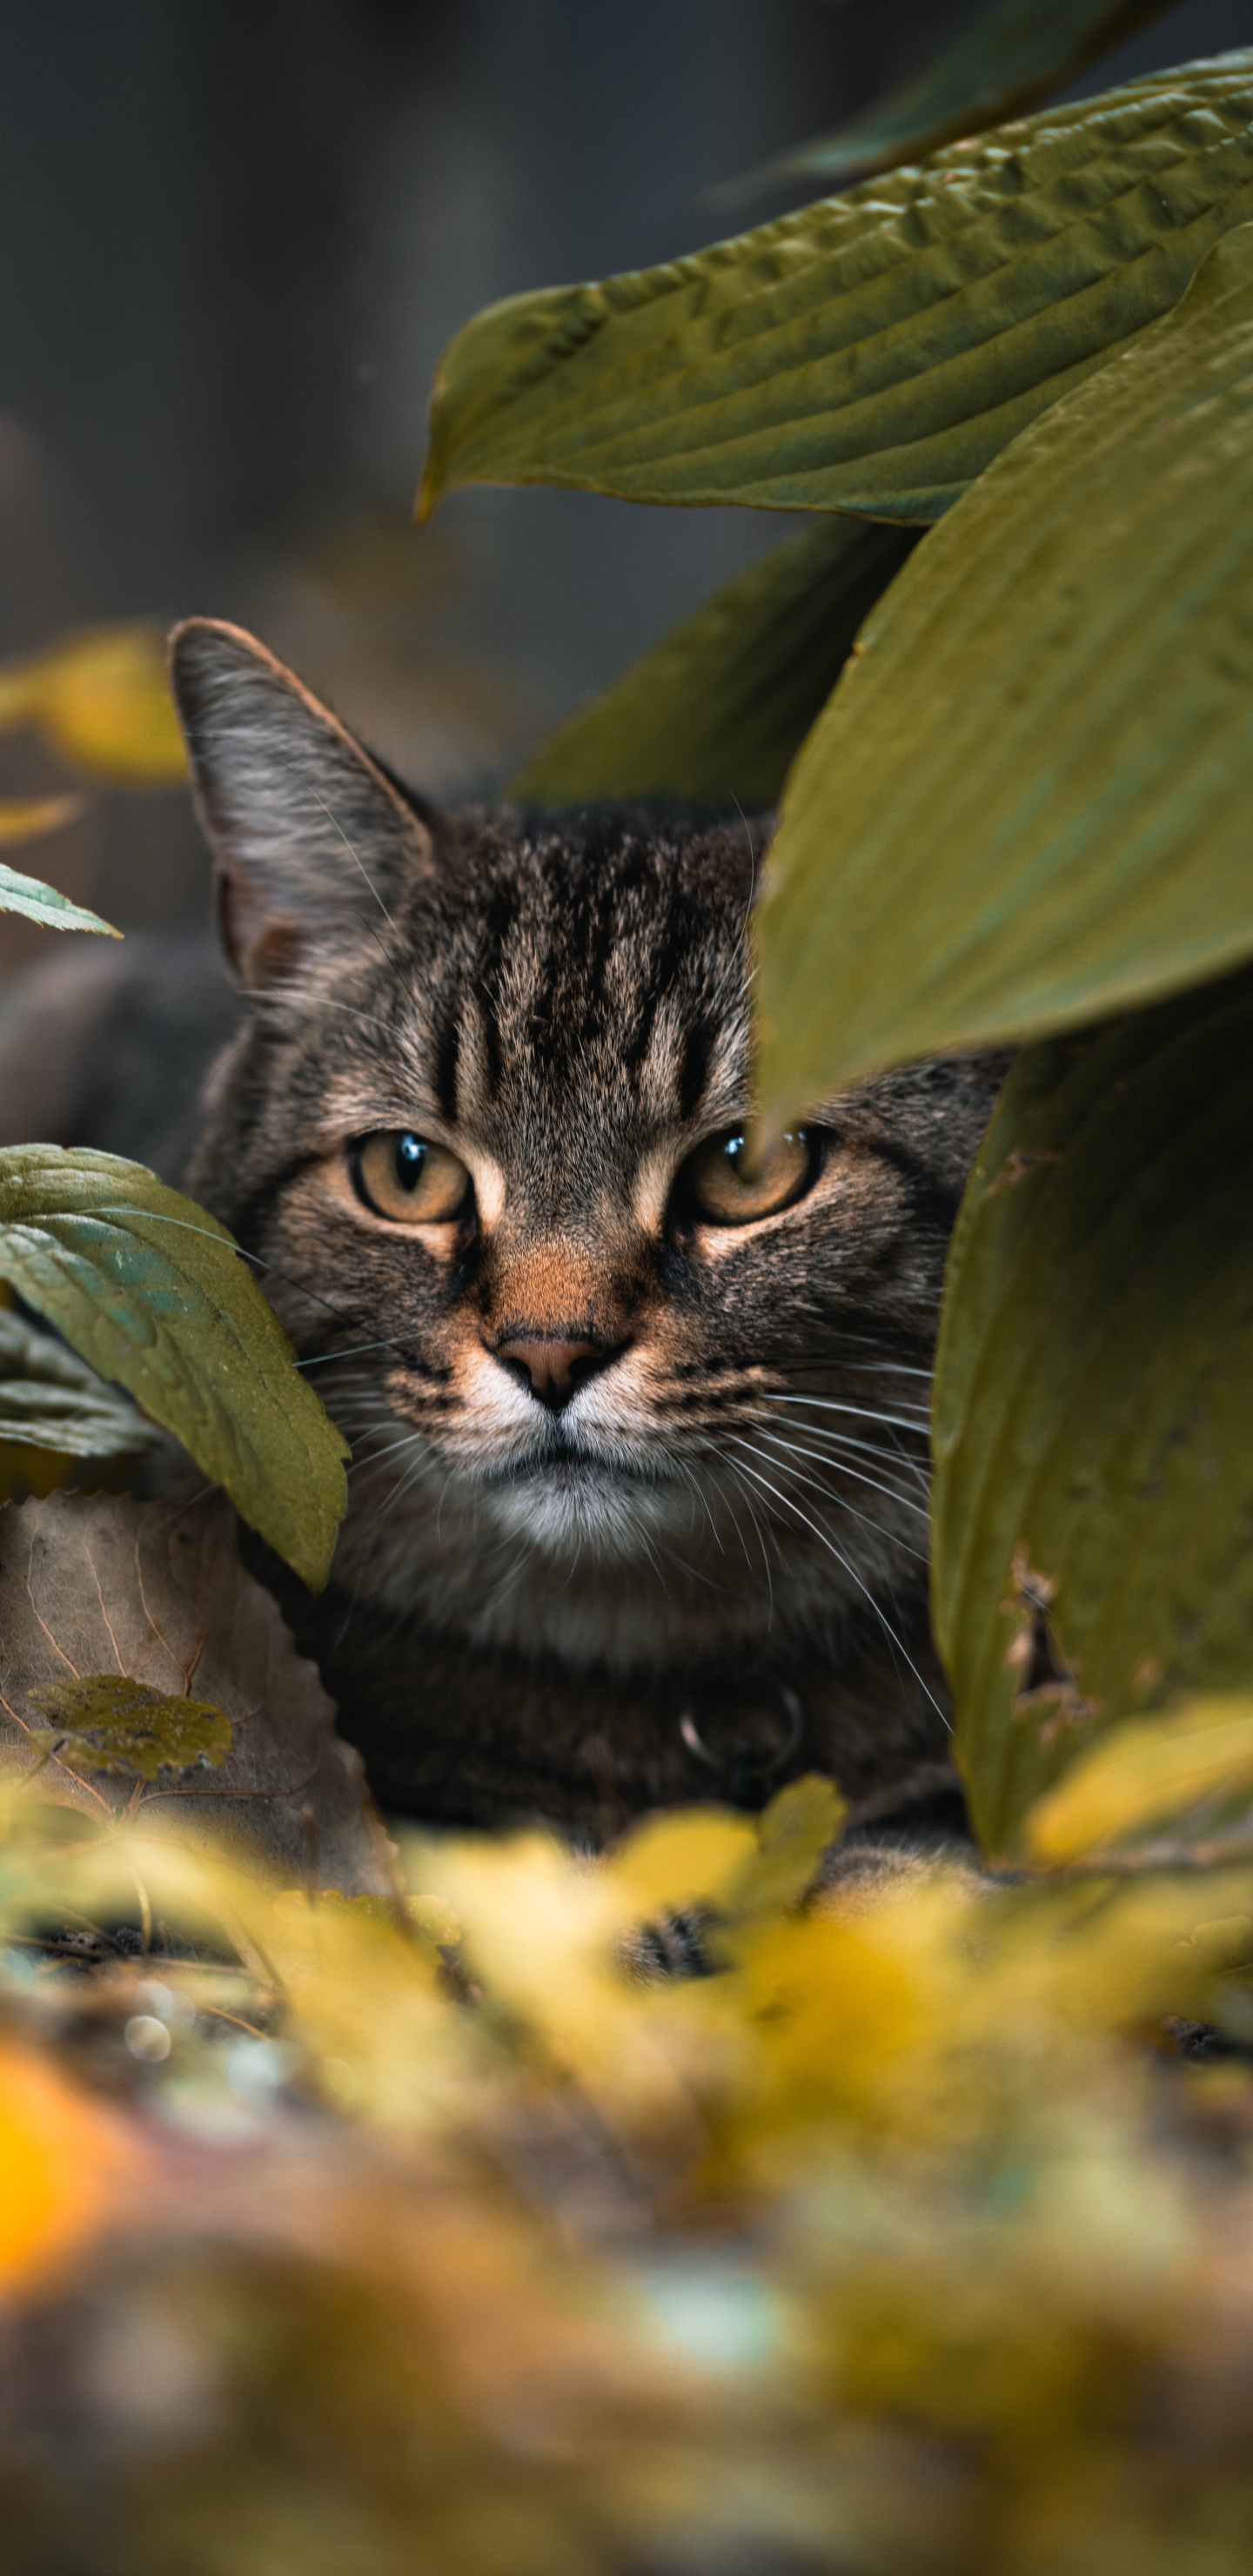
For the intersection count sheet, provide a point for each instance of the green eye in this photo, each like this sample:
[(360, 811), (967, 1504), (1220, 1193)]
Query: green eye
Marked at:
[(411, 1182), (722, 1186)]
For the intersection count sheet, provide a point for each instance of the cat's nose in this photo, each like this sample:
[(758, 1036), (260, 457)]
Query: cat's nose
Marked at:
[(554, 1369)]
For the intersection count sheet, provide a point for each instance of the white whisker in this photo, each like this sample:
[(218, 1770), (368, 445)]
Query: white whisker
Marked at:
[(839, 1500), (880, 1615)]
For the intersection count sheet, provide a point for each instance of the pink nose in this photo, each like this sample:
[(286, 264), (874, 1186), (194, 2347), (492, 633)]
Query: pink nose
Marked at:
[(554, 1370)]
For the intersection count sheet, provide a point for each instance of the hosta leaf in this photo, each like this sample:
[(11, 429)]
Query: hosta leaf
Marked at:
[(106, 1722), (1093, 1507), (103, 701), (29, 895), (1002, 64), (1151, 1773), (715, 713), (1028, 800), (153, 1293), (875, 351)]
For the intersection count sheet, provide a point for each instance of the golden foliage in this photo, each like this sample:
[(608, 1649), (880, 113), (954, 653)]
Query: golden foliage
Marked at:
[(909, 2240)]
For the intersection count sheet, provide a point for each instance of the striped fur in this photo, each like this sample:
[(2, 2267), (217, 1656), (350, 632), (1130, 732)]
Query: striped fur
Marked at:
[(708, 1572)]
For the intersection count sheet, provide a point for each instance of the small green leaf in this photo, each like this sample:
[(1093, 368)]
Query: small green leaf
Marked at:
[(1028, 800), (801, 1822), (715, 713), (997, 68), (106, 1722), (1093, 1501), (153, 1292), (41, 902), (874, 352)]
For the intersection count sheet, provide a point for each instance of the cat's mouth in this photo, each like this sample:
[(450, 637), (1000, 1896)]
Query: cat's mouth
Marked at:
[(571, 1471), (572, 1503)]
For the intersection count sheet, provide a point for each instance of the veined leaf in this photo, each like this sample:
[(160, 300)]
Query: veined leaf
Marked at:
[(1093, 1505), (716, 712), (153, 1292), (1003, 64), (874, 352), (1148, 1774), (103, 701), (1028, 800), (28, 895), (107, 1722)]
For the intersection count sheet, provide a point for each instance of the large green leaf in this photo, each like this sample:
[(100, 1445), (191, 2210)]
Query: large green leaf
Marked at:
[(873, 352), (1028, 801), (1093, 1506), (153, 1293), (1002, 64), (717, 710)]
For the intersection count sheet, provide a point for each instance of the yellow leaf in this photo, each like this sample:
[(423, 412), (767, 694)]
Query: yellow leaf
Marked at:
[(102, 700), (800, 1823), (691, 1856), (1145, 1774), (28, 818)]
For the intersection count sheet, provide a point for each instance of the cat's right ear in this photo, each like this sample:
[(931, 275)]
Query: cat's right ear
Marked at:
[(313, 844)]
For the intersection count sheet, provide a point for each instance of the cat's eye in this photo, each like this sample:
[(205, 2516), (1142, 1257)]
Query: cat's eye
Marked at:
[(409, 1180), (723, 1184)]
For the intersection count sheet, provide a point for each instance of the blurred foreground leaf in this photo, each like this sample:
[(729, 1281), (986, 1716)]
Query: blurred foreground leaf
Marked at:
[(1093, 1499), (1005, 62), (715, 713), (1028, 799), (874, 352), (154, 1294), (106, 1722), (102, 700), (1157, 1772)]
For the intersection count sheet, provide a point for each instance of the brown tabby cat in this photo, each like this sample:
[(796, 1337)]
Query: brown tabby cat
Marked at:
[(639, 1488), (639, 1483)]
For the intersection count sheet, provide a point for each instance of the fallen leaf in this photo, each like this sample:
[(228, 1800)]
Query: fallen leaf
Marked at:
[(94, 1586)]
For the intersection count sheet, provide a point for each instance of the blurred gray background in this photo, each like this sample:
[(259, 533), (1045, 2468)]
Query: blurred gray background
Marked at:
[(234, 236)]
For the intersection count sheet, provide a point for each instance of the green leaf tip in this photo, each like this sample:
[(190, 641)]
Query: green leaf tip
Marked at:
[(42, 903)]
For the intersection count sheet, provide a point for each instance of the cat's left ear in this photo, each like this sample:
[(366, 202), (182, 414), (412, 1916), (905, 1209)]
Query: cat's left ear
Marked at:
[(312, 841)]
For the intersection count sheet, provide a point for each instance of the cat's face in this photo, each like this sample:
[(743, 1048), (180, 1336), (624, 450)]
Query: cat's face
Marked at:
[(487, 1130)]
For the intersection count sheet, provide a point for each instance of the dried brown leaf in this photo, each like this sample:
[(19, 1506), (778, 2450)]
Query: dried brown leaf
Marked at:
[(92, 1586)]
